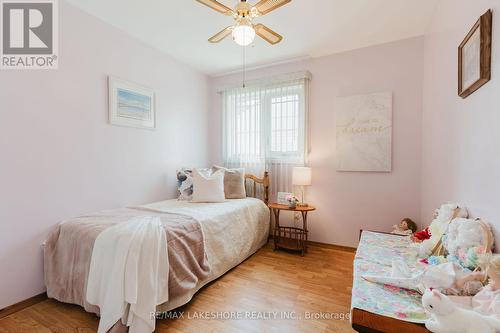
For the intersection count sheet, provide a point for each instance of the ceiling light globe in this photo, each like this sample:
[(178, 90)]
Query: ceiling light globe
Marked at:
[(243, 34)]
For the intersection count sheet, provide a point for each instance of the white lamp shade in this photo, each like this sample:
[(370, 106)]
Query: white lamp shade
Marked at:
[(243, 34), (301, 176)]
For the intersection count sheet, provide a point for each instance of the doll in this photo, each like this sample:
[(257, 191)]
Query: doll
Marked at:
[(467, 285), (487, 301), (405, 227)]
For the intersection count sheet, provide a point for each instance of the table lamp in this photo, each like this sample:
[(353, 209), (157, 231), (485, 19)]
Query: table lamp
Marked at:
[(301, 177)]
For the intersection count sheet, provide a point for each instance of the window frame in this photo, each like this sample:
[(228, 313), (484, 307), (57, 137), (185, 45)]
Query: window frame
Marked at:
[(264, 95), (266, 105)]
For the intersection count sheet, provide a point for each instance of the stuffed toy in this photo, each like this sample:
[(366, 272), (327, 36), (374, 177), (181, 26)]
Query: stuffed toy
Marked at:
[(446, 317), (467, 239), (439, 226), (420, 236)]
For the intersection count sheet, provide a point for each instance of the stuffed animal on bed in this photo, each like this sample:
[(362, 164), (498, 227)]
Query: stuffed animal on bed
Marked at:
[(419, 237), (439, 226), (467, 239), (448, 318)]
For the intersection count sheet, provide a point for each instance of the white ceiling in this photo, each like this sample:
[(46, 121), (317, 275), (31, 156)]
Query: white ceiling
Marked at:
[(311, 28)]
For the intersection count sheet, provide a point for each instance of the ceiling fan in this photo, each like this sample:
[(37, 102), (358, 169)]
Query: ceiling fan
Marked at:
[(244, 31)]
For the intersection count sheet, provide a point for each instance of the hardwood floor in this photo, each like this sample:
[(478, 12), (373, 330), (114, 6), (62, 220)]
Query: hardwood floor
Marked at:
[(303, 292)]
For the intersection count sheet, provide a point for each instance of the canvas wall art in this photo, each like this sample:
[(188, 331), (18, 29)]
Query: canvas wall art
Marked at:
[(131, 104), (364, 132)]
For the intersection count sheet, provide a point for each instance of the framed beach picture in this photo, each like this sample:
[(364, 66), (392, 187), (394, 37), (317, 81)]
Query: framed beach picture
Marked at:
[(130, 104), (474, 57)]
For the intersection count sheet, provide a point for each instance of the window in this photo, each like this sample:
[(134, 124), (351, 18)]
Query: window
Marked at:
[(286, 125), (265, 123)]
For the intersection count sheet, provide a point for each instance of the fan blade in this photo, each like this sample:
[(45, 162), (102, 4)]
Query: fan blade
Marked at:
[(221, 35), (266, 6), (267, 34), (215, 5)]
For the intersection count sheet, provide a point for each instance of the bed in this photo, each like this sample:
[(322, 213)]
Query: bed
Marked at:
[(381, 308), (205, 240)]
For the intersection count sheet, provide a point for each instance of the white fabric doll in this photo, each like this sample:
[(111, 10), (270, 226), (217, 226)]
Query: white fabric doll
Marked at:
[(448, 318)]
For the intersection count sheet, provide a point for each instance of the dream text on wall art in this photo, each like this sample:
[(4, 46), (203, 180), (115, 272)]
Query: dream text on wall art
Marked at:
[(364, 132)]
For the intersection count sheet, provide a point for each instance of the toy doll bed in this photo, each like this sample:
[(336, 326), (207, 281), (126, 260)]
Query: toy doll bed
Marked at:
[(383, 308), (380, 305)]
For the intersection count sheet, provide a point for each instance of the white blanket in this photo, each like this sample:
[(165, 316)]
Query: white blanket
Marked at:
[(441, 277), (135, 254)]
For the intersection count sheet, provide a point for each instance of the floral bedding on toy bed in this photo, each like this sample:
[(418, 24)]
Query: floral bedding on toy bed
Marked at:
[(374, 256), (383, 248)]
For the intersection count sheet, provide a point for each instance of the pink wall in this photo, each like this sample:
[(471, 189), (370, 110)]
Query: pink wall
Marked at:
[(59, 157), (461, 137), (349, 201)]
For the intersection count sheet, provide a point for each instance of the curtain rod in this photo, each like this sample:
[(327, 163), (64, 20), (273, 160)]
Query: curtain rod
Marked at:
[(303, 75)]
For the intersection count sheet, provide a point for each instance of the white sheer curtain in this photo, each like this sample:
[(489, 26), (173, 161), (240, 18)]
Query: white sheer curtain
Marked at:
[(265, 128)]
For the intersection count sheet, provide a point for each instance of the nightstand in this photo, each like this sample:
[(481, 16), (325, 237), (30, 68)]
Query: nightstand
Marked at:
[(290, 238)]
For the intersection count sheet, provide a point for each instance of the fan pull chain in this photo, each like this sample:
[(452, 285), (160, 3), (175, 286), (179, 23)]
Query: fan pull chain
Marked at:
[(244, 66)]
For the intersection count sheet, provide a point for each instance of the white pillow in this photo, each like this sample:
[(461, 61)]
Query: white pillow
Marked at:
[(208, 188)]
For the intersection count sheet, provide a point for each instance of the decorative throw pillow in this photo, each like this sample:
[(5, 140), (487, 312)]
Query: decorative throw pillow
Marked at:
[(234, 182), (185, 183), (208, 188)]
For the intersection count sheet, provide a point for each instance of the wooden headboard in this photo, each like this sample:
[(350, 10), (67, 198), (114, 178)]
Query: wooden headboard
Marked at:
[(253, 180)]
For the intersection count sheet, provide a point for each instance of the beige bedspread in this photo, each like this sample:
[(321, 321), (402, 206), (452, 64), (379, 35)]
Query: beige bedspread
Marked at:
[(204, 242)]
